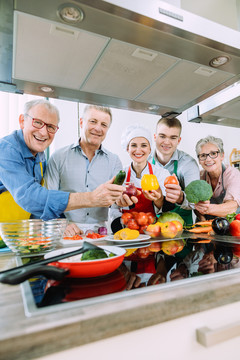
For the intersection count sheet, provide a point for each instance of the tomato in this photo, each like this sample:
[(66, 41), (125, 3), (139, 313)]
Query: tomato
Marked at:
[(132, 224), (125, 217), (142, 218), (143, 253), (151, 218), (172, 179), (237, 217), (236, 250), (75, 237), (234, 228), (142, 228), (134, 214)]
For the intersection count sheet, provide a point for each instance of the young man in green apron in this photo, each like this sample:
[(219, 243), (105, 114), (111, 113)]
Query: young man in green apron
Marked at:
[(166, 155)]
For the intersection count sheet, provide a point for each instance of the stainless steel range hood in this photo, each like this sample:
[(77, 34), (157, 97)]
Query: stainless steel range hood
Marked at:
[(141, 55), (220, 109)]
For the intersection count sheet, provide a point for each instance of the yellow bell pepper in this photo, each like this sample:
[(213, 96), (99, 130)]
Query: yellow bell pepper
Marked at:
[(149, 182)]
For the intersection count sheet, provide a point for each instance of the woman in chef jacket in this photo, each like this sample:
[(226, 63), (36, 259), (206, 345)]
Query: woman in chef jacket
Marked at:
[(224, 180), (137, 141)]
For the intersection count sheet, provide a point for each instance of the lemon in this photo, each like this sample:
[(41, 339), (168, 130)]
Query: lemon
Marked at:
[(126, 234), (117, 235)]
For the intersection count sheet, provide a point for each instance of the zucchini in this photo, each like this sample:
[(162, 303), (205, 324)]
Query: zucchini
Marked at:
[(120, 177)]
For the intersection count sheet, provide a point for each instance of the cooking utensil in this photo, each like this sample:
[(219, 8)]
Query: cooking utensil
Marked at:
[(21, 273), (93, 268)]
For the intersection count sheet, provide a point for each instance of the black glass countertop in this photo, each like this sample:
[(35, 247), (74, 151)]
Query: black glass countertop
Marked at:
[(191, 258)]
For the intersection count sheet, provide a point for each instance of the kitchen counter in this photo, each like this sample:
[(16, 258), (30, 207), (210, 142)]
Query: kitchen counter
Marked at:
[(31, 337)]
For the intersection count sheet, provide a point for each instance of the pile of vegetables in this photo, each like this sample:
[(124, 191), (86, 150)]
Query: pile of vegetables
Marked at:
[(137, 220), (200, 227), (229, 225), (102, 231), (198, 190), (95, 254)]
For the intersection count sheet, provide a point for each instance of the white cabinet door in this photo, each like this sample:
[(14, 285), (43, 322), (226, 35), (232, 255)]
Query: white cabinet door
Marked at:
[(171, 340)]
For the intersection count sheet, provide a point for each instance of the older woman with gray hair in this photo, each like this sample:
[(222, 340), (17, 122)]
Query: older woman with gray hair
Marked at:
[(224, 180)]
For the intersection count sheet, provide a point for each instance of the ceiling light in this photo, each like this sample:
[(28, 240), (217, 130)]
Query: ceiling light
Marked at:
[(47, 89), (70, 13), (153, 107), (221, 119), (219, 61)]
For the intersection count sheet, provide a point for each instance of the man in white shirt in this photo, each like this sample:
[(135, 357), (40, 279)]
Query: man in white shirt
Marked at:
[(84, 165)]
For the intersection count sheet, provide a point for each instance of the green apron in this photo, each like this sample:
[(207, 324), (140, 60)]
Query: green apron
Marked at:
[(185, 214)]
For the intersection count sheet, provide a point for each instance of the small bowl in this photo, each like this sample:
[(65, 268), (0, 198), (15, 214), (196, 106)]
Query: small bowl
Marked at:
[(34, 236)]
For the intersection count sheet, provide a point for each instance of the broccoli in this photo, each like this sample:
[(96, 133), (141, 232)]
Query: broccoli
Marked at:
[(94, 254), (198, 190)]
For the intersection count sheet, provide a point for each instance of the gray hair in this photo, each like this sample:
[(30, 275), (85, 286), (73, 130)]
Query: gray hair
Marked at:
[(212, 140), (107, 110), (52, 108)]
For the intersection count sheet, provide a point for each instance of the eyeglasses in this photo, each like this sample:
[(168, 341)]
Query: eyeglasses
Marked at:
[(212, 155), (39, 124)]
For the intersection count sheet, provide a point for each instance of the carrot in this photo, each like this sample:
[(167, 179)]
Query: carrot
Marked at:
[(205, 241), (199, 230), (204, 223), (75, 237)]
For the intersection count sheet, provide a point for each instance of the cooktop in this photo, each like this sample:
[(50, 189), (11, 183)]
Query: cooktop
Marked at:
[(142, 270)]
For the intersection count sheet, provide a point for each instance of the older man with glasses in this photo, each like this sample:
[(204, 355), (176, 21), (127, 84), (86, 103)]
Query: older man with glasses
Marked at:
[(22, 166), (224, 180)]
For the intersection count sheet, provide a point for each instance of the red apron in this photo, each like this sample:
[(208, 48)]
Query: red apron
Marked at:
[(143, 204), (143, 265)]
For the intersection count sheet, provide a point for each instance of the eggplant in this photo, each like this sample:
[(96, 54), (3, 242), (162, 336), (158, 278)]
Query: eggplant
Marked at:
[(220, 226), (223, 254)]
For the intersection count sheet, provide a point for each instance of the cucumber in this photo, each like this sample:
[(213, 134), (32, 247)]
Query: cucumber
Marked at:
[(120, 177)]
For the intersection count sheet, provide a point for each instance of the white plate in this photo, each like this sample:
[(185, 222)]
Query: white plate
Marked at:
[(141, 237), (79, 242)]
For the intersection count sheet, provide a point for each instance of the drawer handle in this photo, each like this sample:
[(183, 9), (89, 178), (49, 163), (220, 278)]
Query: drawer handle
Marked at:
[(208, 337)]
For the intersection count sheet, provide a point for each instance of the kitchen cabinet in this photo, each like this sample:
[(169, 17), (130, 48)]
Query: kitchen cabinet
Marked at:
[(171, 340)]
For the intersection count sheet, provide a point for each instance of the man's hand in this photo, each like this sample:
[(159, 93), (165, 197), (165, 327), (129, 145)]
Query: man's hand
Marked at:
[(132, 279), (180, 273), (72, 229), (207, 264), (106, 194), (174, 193), (156, 278), (126, 200)]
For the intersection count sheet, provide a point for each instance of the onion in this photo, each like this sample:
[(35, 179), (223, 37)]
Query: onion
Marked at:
[(102, 230), (131, 190)]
